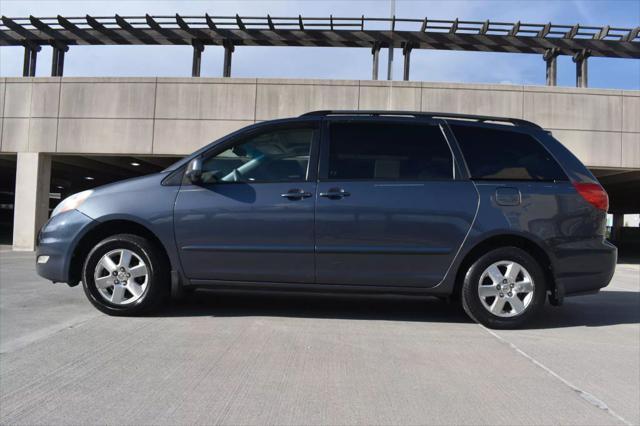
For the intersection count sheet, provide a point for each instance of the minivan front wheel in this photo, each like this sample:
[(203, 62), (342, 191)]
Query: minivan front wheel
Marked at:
[(504, 288), (124, 275)]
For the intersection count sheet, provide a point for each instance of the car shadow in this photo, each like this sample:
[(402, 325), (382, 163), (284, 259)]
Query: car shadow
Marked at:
[(596, 310), (228, 303), (602, 309)]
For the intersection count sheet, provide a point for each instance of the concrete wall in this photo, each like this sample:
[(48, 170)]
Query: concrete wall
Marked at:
[(178, 115)]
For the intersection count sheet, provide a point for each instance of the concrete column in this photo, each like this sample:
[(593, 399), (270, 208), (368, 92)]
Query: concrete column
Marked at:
[(406, 51), (57, 61), (30, 57), (375, 51), (228, 51), (551, 58), (616, 226), (580, 59), (33, 177), (198, 47)]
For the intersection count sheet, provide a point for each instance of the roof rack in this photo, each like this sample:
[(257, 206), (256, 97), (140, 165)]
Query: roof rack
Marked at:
[(442, 115)]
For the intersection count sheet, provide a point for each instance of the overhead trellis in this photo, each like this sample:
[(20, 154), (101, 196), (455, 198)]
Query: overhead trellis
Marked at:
[(424, 33)]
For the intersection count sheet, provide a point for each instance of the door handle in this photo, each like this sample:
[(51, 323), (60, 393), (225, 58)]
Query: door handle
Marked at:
[(296, 194), (335, 194)]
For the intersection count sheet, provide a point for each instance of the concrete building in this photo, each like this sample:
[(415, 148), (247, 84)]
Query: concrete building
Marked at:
[(51, 126)]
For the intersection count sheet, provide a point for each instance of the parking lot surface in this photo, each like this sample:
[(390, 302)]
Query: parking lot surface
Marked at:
[(233, 358)]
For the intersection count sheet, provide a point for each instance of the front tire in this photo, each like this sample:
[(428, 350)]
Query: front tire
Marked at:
[(504, 288), (125, 275)]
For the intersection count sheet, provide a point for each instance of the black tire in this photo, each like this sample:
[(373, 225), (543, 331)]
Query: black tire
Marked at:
[(471, 300), (157, 289)]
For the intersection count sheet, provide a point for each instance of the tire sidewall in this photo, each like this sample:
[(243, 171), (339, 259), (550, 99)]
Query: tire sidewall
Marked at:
[(471, 300), (141, 248)]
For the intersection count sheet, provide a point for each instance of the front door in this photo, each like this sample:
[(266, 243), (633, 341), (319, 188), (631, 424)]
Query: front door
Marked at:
[(391, 208), (251, 218)]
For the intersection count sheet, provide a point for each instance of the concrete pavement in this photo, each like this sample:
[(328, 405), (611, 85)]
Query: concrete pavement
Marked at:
[(228, 358)]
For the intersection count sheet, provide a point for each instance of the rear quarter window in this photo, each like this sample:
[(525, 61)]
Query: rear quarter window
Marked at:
[(494, 154)]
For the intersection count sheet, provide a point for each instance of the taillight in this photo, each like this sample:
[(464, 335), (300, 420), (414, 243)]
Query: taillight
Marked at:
[(594, 194)]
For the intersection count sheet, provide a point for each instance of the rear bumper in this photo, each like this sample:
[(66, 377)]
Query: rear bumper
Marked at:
[(56, 242), (584, 266)]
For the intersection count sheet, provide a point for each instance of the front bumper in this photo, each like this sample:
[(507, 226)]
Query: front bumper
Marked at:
[(56, 243), (584, 266)]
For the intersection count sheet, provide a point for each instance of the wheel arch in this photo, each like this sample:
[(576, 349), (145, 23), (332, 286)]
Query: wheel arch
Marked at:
[(104, 230), (525, 243)]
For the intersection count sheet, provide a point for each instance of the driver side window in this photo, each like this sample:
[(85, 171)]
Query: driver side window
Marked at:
[(273, 156)]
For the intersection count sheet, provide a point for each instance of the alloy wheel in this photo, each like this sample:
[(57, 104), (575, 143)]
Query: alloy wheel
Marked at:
[(121, 276), (506, 289)]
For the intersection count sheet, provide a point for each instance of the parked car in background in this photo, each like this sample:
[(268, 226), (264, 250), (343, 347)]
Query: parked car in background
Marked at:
[(492, 211)]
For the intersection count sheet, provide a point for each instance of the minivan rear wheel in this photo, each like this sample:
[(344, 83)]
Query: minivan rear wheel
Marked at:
[(124, 275), (504, 288)]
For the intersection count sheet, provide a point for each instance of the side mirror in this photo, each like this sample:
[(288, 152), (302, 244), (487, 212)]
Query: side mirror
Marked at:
[(194, 170)]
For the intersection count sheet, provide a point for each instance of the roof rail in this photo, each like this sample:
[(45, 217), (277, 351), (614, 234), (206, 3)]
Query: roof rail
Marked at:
[(442, 115)]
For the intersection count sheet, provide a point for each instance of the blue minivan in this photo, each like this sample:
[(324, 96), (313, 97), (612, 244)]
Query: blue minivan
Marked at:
[(491, 211)]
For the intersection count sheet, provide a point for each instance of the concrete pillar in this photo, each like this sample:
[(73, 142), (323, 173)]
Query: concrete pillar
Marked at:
[(30, 57), (375, 51), (616, 226), (33, 178), (551, 58), (57, 60), (406, 51), (580, 59), (198, 47), (228, 51)]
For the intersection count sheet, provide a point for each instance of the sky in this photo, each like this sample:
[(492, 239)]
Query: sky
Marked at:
[(335, 63)]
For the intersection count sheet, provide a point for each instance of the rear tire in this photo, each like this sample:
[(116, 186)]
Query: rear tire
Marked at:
[(504, 288), (125, 275)]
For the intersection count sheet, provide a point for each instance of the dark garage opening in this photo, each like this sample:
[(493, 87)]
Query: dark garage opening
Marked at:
[(75, 173), (7, 197), (71, 174), (623, 187)]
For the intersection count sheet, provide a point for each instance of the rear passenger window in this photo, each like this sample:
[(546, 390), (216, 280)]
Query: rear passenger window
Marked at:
[(505, 155), (388, 151)]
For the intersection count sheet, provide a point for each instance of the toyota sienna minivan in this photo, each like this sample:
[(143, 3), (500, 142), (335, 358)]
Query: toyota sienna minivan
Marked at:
[(490, 211)]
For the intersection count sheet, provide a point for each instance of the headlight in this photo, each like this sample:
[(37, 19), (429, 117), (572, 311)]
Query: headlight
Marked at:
[(72, 202)]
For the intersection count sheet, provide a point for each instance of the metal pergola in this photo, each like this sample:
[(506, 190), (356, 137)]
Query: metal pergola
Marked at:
[(550, 40)]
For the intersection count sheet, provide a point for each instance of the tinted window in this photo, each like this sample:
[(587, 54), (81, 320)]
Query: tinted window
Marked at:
[(276, 156), (505, 155), (388, 151)]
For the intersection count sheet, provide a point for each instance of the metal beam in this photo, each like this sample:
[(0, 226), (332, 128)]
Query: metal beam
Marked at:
[(112, 34), (228, 51), (46, 29), (77, 31), (135, 32), (195, 32), (167, 33), (209, 21), (328, 31), (240, 23)]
